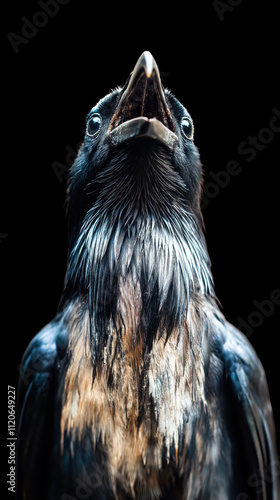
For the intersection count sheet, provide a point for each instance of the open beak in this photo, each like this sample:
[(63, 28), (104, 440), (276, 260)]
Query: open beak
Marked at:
[(142, 110)]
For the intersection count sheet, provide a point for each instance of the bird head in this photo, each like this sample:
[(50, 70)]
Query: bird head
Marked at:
[(138, 151), (134, 204)]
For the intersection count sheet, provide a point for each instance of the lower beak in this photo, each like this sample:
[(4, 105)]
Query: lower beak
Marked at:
[(142, 110)]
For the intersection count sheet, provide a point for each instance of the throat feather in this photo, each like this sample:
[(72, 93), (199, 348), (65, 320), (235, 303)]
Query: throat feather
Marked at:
[(161, 263)]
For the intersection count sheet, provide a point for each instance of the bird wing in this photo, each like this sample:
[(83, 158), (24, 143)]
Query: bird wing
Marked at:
[(35, 410), (248, 387)]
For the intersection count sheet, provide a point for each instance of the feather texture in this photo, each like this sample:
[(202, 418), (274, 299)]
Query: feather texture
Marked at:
[(139, 388)]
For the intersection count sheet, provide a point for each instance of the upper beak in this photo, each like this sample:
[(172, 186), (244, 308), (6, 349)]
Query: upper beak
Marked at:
[(143, 110)]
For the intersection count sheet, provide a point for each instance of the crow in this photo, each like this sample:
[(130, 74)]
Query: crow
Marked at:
[(139, 388)]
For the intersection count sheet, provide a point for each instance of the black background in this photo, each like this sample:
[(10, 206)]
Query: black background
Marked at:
[(224, 71)]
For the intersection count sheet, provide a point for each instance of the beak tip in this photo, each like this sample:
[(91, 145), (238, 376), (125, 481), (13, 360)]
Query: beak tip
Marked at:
[(147, 62)]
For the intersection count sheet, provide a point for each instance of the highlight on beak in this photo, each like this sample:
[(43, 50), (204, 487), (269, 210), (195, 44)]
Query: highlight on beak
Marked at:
[(143, 110)]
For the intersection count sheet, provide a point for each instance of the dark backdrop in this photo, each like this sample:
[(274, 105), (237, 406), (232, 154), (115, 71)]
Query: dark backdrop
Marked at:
[(221, 60)]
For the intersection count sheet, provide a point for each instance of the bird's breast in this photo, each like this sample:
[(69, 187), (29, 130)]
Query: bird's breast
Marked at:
[(142, 405)]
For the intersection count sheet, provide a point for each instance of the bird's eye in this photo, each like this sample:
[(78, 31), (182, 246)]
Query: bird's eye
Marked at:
[(187, 128), (94, 125)]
